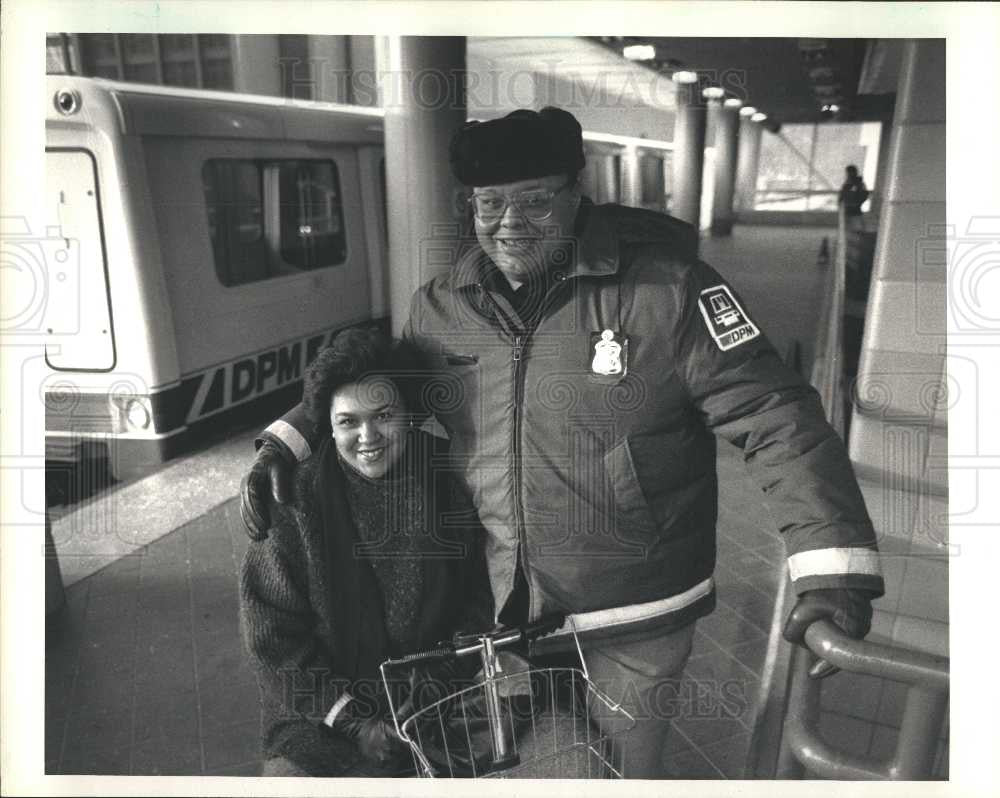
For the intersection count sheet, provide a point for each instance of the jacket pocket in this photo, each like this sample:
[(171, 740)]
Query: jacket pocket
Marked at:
[(658, 478), (632, 514)]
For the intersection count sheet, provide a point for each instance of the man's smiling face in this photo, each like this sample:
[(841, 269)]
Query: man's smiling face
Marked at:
[(518, 245)]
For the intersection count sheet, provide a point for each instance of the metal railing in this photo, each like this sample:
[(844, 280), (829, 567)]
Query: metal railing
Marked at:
[(926, 703), (785, 740), (827, 370)]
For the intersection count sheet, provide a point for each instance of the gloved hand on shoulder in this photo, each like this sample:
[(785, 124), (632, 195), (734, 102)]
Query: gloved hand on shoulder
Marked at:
[(269, 478), (849, 609)]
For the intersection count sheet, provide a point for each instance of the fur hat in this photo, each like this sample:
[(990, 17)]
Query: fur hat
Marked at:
[(519, 146)]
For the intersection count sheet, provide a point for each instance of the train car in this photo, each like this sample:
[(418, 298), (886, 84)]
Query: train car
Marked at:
[(201, 248)]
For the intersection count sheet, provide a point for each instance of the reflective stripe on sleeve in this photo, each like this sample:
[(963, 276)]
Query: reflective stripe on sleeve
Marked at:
[(292, 438), (598, 619), (833, 562), (335, 709)]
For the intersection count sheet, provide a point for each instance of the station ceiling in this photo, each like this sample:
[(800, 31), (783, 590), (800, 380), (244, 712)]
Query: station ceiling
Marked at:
[(791, 80)]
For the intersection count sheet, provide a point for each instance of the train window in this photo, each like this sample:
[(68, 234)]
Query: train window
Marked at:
[(312, 220), (271, 218), (234, 202)]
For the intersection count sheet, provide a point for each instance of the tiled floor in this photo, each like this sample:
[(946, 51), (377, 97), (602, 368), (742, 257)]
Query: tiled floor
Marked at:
[(144, 670)]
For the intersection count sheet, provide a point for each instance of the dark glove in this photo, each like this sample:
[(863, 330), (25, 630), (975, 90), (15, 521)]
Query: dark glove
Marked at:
[(375, 735), (428, 684), (848, 609), (268, 478)]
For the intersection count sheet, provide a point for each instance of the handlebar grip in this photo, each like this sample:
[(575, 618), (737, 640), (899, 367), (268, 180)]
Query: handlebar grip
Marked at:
[(424, 656), (543, 626)]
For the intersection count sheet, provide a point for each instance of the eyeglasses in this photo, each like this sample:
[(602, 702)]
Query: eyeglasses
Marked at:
[(535, 205)]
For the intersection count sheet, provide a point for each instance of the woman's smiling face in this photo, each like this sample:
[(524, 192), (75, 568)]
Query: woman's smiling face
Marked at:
[(368, 420)]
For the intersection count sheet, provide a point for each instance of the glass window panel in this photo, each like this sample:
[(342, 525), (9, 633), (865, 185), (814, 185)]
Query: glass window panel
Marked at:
[(783, 171), (781, 201), (142, 73), (651, 168), (838, 145), (174, 45), (234, 204), (823, 201), (180, 73), (137, 47), (217, 74), (312, 222), (99, 46), (55, 55), (105, 71), (214, 45)]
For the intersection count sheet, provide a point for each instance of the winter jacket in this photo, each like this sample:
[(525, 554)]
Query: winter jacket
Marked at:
[(601, 472)]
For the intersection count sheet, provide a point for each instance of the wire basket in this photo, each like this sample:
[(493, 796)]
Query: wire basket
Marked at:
[(529, 723)]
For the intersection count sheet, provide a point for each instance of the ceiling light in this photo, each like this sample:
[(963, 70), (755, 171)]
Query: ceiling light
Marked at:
[(732, 102), (713, 93), (758, 117), (684, 77), (747, 110), (639, 52)]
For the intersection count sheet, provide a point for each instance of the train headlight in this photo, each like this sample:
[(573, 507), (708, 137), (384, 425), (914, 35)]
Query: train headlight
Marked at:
[(137, 413)]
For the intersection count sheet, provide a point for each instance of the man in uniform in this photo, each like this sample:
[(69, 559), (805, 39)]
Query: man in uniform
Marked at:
[(585, 360)]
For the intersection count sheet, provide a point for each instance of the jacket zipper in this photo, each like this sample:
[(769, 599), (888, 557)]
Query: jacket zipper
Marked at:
[(522, 542), (520, 343)]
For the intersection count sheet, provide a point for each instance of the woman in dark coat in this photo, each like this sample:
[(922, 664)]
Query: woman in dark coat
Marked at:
[(359, 567)]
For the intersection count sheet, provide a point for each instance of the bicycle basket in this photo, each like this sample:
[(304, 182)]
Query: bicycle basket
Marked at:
[(549, 729)]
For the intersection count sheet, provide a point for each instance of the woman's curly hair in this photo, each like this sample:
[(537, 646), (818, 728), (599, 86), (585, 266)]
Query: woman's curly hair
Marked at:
[(356, 353)]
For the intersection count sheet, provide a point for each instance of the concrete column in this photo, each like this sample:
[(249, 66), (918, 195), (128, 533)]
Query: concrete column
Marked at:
[(422, 80), (256, 69), (746, 164), (631, 178), (899, 429), (689, 152), (364, 73), (881, 170), (610, 179), (329, 57), (725, 121)]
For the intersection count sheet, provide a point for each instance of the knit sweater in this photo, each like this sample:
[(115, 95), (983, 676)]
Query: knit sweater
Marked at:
[(312, 614), (388, 514)]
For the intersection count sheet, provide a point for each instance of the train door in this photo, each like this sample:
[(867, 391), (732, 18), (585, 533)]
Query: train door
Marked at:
[(73, 275)]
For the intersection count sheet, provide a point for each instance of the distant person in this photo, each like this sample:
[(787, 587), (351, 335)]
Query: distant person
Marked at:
[(852, 196), (359, 567)]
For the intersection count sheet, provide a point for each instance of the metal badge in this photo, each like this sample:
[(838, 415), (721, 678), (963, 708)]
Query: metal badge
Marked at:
[(609, 353)]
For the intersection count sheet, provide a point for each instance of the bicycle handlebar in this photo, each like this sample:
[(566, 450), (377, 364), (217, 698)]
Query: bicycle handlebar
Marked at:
[(463, 645)]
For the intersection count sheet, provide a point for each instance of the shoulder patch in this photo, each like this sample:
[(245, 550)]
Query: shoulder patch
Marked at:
[(725, 319)]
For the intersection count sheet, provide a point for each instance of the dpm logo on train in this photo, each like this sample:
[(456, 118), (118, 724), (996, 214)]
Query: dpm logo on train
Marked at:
[(239, 382)]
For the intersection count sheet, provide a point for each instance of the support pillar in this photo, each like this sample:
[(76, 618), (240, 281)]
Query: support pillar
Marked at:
[(631, 178), (725, 119), (610, 181), (422, 81), (329, 57), (256, 65), (746, 163), (689, 152)]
